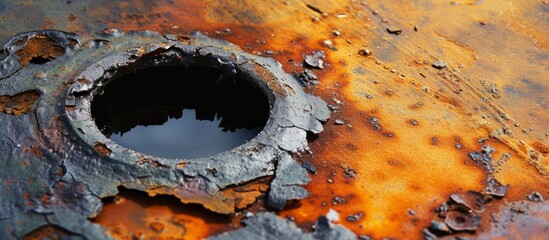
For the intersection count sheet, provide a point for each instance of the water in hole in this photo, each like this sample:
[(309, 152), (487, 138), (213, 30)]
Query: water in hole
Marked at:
[(185, 136), (177, 112)]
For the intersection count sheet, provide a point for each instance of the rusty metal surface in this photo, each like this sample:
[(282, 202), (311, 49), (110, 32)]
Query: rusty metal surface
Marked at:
[(437, 107), (61, 124)]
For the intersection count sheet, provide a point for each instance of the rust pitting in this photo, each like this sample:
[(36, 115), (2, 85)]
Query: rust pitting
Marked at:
[(101, 148), (521, 220)]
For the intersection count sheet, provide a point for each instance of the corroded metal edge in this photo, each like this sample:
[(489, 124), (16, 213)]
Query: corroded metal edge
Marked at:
[(69, 177)]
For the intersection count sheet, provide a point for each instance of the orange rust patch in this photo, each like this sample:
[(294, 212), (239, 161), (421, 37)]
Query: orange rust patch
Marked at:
[(46, 199), (483, 81), (50, 232), (48, 24), (18, 104), (83, 80), (246, 194), (70, 108), (153, 162), (135, 214), (182, 164), (102, 149), (28, 200), (39, 47)]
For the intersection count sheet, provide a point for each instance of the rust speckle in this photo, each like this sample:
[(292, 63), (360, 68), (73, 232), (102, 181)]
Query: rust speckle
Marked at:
[(40, 75), (46, 199), (102, 149), (28, 200), (37, 151), (48, 24), (18, 104), (71, 17)]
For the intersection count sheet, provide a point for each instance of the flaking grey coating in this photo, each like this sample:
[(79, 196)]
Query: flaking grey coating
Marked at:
[(267, 225)]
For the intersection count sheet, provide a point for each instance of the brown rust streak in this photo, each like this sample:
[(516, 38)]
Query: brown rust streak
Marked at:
[(459, 106)]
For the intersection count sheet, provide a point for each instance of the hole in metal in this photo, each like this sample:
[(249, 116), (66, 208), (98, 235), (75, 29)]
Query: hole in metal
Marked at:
[(39, 50), (40, 60), (178, 112)]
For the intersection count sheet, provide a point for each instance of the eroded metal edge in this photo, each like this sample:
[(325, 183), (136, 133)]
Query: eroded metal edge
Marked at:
[(62, 180)]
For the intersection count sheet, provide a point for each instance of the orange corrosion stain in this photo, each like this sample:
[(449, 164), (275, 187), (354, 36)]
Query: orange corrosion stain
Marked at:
[(39, 47), (133, 214), (18, 104), (409, 126), (102, 149)]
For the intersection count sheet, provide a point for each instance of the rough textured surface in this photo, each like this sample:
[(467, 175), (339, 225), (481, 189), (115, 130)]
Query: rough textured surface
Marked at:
[(286, 185), (269, 226), (408, 127), (73, 165)]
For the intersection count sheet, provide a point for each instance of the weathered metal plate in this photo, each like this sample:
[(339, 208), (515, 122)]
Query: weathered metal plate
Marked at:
[(415, 113)]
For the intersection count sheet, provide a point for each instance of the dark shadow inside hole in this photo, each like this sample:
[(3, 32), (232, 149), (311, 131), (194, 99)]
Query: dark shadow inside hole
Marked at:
[(311, 137), (151, 111), (40, 60)]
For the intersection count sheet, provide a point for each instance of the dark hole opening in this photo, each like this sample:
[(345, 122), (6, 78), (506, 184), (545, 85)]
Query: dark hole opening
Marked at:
[(178, 112), (40, 60)]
